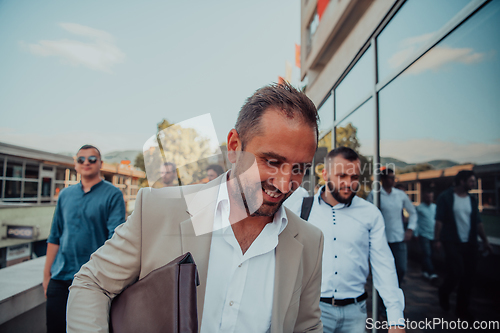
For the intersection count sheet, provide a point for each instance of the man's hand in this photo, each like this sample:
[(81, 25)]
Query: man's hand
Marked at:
[(488, 247), (396, 329), (45, 283), (408, 235), (437, 246)]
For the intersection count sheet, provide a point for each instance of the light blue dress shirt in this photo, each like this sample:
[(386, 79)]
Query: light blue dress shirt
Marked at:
[(426, 220), (354, 239)]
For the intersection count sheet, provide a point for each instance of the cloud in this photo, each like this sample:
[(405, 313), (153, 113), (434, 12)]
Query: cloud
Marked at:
[(435, 59), (423, 150), (100, 54), (439, 56)]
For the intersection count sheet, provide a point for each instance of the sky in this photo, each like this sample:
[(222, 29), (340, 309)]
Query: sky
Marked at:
[(106, 72)]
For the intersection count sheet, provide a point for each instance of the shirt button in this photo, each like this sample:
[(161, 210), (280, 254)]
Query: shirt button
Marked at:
[(335, 290), (231, 303), (335, 273), (240, 265), (335, 239)]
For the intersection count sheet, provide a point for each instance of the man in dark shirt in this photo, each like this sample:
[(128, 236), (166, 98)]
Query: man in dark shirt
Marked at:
[(457, 226), (86, 216)]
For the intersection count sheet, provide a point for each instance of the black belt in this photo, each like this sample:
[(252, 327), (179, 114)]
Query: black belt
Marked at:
[(343, 302)]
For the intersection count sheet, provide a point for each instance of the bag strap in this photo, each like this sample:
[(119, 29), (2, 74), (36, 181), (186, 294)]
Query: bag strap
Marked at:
[(307, 203)]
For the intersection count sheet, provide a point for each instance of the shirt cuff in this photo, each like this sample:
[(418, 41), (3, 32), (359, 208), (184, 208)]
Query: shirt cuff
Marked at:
[(395, 317)]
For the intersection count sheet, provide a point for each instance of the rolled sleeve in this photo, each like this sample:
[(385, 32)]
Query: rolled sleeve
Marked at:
[(412, 223), (384, 272), (117, 213), (56, 229)]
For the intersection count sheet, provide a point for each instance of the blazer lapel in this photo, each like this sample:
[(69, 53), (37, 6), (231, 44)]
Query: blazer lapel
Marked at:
[(288, 258)]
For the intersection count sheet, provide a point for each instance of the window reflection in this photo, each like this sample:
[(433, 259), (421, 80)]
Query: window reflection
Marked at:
[(441, 115), (325, 113), (414, 25), (357, 132), (356, 86)]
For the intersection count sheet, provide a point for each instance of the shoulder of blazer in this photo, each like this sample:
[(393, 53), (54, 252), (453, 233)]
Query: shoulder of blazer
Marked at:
[(302, 229)]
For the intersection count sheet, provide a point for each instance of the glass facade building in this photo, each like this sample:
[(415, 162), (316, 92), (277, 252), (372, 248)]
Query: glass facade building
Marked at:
[(412, 85)]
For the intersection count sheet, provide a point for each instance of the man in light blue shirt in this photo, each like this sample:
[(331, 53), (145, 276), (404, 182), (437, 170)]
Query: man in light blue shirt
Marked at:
[(354, 240), (426, 213)]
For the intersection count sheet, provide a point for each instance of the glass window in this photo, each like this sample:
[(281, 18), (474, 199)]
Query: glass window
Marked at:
[(2, 161), (32, 171), (325, 113), (14, 169), (324, 146), (30, 189), (358, 132), (356, 86), (443, 110), (311, 30), (61, 174), (414, 25), (46, 185), (12, 189)]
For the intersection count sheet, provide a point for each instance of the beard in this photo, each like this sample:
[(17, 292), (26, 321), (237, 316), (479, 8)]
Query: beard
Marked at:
[(250, 199), (337, 196)]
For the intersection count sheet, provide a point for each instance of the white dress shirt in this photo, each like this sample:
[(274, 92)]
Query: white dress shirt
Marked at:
[(391, 205), (354, 238), (240, 287)]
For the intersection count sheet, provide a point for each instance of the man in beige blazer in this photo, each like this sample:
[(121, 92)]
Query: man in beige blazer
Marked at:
[(277, 127)]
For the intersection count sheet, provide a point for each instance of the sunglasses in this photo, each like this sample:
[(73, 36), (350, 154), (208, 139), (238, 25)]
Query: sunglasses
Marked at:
[(91, 159)]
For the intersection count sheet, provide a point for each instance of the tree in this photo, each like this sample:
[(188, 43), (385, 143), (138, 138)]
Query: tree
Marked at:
[(183, 146), (347, 137)]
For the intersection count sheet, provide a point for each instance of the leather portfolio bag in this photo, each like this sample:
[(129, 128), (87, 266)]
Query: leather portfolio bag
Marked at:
[(162, 301)]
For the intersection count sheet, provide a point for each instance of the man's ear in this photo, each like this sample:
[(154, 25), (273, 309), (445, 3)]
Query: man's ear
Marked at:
[(324, 173), (233, 145)]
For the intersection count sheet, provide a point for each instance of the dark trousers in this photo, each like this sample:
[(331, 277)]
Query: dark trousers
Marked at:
[(400, 253), (57, 297), (461, 263), (426, 248)]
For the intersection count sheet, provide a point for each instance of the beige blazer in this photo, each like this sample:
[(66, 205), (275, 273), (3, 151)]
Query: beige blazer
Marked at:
[(161, 228)]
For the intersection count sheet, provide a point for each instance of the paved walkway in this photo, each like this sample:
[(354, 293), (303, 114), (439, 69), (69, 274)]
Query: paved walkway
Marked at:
[(422, 302)]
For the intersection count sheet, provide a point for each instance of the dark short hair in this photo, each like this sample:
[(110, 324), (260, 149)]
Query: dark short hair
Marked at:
[(290, 101), (89, 147), (166, 164), (346, 152), (217, 168), (384, 173), (463, 176)]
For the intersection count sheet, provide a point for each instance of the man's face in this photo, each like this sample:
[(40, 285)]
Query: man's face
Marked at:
[(428, 197), (389, 180), (342, 178), (470, 183), (211, 174), (167, 174), (87, 169), (281, 153)]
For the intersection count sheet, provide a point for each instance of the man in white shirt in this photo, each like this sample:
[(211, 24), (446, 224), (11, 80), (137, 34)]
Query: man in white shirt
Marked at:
[(354, 241), (392, 202), (259, 264)]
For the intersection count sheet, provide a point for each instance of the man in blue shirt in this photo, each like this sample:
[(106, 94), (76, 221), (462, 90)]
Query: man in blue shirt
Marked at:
[(426, 213), (86, 216)]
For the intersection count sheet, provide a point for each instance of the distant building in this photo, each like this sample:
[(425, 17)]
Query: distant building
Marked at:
[(30, 183)]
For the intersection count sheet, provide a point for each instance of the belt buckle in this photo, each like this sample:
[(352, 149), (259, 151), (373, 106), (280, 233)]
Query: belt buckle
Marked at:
[(333, 302)]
